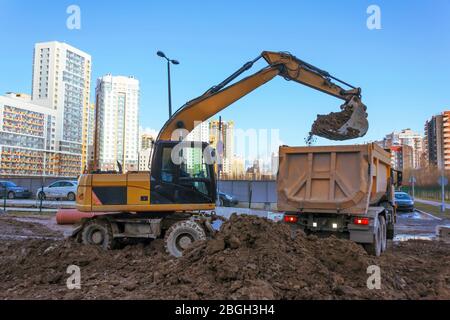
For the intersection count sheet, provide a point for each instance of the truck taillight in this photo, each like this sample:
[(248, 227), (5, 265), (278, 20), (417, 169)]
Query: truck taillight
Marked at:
[(361, 221), (290, 219)]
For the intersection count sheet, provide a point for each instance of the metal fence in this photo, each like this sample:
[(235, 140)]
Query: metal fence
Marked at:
[(33, 183), (250, 191), (429, 193)]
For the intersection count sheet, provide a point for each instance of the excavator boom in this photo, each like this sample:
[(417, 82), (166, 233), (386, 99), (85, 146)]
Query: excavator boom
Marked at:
[(351, 122)]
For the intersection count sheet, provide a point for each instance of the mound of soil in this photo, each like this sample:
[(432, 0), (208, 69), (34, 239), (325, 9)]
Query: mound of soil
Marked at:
[(251, 258), (16, 229)]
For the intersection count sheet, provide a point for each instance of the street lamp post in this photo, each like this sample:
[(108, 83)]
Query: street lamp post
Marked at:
[(169, 61)]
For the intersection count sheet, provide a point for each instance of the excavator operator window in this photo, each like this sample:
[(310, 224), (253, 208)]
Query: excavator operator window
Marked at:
[(189, 181), (168, 168)]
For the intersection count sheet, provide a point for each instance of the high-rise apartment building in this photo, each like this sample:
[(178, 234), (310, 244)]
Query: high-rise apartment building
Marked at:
[(61, 82), (437, 141), (194, 155), (117, 123), (409, 138), (402, 157), (146, 144), (224, 133), (28, 141), (88, 134), (147, 141), (226, 137), (145, 156), (446, 139)]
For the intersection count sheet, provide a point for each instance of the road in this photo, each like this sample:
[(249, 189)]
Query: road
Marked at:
[(417, 225), (34, 203)]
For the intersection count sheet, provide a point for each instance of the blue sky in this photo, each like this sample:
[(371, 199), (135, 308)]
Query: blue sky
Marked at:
[(403, 69)]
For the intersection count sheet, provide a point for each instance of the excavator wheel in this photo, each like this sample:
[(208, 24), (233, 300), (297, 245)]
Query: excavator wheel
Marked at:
[(98, 232), (181, 235)]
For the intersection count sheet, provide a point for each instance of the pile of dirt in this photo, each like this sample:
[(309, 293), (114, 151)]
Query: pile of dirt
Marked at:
[(17, 229), (251, 258)]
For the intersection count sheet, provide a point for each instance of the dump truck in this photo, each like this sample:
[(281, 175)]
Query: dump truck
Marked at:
[(346, 190)]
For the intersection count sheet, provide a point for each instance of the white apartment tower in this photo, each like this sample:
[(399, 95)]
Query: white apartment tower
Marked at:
[(61, 82), (194, 156), (117, 123), (409, 138)]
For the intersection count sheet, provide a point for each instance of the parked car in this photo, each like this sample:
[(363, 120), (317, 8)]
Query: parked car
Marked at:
[(13, 191), (64, 189), (226, 200), (404, 202)]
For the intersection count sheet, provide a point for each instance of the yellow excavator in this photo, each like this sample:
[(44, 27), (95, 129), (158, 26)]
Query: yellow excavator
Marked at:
[(172, 200)]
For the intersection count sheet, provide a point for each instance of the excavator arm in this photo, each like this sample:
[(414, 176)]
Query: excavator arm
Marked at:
[(351, 122)]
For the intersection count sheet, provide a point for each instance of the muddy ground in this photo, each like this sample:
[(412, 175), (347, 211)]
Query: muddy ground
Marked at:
[(251, 258)]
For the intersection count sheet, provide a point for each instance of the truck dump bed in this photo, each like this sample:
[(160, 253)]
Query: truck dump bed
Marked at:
[(336, 179)]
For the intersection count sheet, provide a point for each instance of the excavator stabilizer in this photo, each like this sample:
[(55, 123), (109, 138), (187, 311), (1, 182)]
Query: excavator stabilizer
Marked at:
[(350, 123)]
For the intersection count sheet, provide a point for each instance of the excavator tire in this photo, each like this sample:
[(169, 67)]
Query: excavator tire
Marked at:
[(181, 235), (98, 232)]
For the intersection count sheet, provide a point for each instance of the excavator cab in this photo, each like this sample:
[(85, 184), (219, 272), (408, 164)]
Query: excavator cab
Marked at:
[(182, 173)]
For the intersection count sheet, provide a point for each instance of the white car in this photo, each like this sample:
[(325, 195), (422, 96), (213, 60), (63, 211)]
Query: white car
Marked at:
[(58, 190)]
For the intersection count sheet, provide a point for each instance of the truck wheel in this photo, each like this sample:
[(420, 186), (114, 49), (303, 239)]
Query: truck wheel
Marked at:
[(390, 231), (181, 235), (98, 232), (374, 248), (383, 233)]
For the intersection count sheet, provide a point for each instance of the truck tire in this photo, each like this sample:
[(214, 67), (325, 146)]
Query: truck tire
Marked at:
[(181, 235), (98, 232), (390, 231), (374, 248), (383, 233)]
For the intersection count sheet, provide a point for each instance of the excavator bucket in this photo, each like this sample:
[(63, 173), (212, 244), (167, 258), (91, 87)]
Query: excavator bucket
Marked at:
[(350, 123)]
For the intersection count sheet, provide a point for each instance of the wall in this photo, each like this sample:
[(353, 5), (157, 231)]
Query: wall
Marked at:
[(33, 183), (262, 192)]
